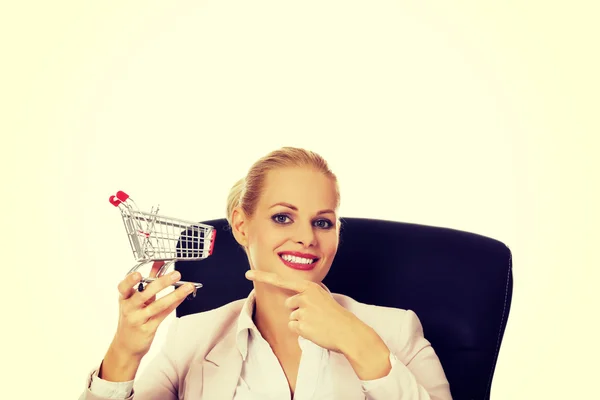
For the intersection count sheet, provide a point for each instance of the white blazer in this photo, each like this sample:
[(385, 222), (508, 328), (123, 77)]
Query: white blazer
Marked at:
[(201, 360)]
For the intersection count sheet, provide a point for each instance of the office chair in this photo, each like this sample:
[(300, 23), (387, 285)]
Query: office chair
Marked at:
[(458, 283)]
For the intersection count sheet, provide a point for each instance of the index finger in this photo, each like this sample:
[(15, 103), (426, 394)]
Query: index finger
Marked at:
[(125, 287), (276, 280)]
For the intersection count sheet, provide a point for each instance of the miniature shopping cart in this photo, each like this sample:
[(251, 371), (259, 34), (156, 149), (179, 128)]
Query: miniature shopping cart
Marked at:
[(157, 238)]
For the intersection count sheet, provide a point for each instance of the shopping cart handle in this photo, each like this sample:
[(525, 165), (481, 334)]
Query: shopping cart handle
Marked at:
[(176, 284), (119, 198)]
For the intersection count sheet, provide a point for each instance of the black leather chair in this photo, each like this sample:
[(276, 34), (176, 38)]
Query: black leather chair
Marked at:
[(458, 283)]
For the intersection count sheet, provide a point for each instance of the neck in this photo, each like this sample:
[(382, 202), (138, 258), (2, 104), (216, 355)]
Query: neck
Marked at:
[(271, 316)]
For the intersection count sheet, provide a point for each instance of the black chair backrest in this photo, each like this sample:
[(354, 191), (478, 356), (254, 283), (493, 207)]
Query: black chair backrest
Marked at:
[(458, 283)]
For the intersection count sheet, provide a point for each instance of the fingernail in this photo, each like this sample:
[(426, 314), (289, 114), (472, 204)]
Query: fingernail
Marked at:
[(175, 275), (189, 288)]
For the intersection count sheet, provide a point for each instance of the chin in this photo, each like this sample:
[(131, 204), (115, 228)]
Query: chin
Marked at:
[(316, 274)]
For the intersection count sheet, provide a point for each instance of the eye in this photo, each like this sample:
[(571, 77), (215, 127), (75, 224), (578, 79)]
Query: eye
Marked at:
[(280, 218), (324, 224)]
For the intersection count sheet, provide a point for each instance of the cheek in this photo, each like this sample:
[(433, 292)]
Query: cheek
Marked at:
[(329, 244), (273, 238), (265, 245)]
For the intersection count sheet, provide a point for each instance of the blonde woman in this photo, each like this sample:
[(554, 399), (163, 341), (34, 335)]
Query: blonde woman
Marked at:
[(291, 338)]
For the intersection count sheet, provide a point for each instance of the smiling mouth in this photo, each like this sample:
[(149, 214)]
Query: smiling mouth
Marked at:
[(298, 263)]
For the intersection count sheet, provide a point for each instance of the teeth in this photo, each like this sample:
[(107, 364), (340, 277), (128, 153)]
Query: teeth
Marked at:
[(296, 260)]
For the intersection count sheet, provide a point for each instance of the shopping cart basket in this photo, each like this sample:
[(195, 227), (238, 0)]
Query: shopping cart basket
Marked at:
[(157, 238)]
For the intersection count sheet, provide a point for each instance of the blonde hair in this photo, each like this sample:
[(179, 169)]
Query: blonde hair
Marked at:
[(245, 193)]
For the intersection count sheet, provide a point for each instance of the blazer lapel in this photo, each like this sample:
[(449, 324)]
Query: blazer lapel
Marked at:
[(221, 368)]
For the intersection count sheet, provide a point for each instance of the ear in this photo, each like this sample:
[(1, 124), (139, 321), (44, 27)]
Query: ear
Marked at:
[(239, 226)]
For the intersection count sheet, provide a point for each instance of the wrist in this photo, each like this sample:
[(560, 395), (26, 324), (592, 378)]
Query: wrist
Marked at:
[(368, 354), (118, 365), (362, 337)]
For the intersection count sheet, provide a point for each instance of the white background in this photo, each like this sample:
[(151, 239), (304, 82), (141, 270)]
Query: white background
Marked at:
[(474, 116)]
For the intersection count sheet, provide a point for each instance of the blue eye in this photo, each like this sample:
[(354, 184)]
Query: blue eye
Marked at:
[(280, 218), (324, 224), (284, 219)]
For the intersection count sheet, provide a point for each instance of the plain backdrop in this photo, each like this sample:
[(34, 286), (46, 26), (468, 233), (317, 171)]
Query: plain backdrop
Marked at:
[(479, 116)]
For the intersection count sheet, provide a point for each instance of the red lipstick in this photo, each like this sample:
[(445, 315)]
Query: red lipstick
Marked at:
[(299, 266)]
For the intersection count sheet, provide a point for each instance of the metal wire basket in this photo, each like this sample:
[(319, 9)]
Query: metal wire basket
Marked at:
[(158, 238)]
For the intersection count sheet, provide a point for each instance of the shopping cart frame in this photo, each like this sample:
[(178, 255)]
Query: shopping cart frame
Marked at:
[(153, 237)]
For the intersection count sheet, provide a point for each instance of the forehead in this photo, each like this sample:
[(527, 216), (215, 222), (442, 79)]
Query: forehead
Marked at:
[(305, 188)]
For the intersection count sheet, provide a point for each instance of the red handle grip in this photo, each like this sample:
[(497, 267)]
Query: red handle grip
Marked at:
[(118, 199)]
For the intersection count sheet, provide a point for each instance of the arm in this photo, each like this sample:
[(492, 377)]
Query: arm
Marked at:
[(159, 380), (409, 371)]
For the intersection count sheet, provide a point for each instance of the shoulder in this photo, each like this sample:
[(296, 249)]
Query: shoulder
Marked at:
[(376, 316), (398, 328)]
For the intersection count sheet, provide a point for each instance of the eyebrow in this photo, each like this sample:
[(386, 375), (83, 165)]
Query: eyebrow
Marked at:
[(293, 207)]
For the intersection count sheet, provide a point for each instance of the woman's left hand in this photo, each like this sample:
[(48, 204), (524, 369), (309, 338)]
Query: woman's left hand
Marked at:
[(316, 316)]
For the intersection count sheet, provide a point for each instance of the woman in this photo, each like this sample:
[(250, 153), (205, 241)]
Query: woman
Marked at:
[(291, 338)]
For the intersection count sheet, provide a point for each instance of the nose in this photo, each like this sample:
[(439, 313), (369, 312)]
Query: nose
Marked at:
[(305, 235)]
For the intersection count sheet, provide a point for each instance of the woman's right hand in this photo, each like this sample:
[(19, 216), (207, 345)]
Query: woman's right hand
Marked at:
[(140, 315)]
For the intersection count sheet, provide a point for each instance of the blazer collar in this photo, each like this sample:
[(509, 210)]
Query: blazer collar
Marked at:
[(245, 324)]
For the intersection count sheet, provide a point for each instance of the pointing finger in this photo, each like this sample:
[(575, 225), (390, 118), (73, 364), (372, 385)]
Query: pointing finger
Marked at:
[(276, 280)]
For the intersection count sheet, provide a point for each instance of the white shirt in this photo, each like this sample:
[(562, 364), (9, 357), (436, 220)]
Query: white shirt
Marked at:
[(262, 377)]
